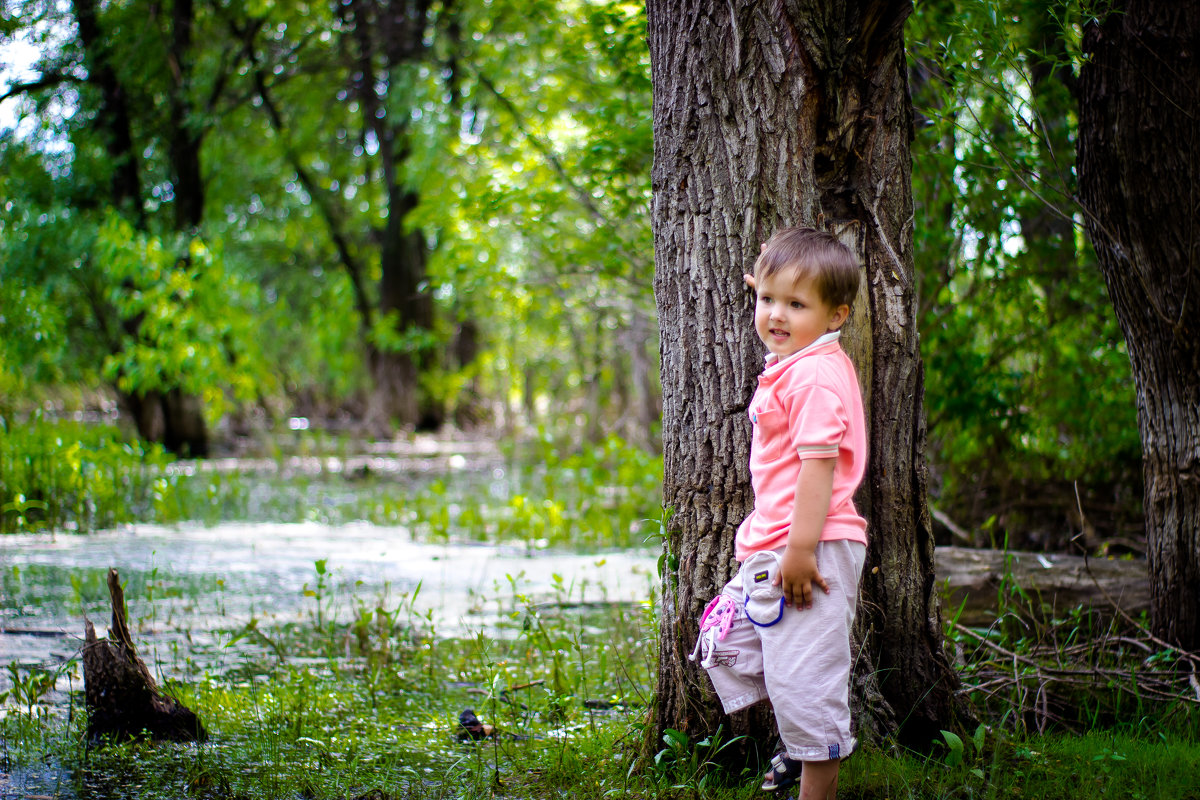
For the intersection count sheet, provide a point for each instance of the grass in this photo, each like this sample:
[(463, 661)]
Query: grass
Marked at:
[(542, 493), (329, 709), (1098, 764), (67, 476)]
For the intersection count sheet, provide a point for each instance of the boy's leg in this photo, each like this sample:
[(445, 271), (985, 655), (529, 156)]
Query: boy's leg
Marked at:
[(807, 663), (737, 669), (819, 780)]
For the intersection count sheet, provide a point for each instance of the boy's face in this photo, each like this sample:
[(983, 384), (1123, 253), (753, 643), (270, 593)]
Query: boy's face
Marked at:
[(790, 315)]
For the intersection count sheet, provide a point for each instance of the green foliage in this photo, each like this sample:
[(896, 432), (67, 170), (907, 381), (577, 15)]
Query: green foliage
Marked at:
[(540, 493), (1099, 764), (549, 246), (27, 690), (74, 476), (689, 766), (314, 715), (193, 318), (590, 496), (1027, 376), (1037, 669), (958, 755), (91, 300), (358, 695), (522, 130), (44, 285), (355, 709)]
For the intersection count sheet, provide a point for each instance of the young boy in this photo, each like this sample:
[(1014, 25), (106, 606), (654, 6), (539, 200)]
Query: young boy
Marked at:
[(770, 634)]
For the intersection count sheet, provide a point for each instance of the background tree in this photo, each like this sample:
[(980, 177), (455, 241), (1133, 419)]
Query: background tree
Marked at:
[(521, 141), (1139, 165), (765, 116), (528, 138), (128, 117), (523, 135), (1014, 315), (553, 222)]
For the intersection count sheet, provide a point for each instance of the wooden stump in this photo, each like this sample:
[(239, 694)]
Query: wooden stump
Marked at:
[(123, 700)]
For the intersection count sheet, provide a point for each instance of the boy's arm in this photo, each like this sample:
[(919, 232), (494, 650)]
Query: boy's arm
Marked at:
[(798, 567)]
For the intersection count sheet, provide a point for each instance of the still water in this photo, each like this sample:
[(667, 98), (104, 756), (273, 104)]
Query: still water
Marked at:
[(187, 586)]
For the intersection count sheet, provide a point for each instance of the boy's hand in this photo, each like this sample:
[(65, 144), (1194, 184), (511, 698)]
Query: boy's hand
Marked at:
[(797, 574)]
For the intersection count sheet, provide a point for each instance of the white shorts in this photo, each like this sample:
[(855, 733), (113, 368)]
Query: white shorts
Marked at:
[(798, 659)]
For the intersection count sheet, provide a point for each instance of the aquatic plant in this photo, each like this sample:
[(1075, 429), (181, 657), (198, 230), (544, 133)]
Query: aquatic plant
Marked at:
[(63, 475)]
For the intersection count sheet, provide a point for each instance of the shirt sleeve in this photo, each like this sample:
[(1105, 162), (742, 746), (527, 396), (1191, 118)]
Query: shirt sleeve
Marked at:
[(817, 421)]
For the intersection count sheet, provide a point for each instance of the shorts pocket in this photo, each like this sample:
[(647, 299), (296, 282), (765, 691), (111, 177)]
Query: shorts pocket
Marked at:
[(763, 601)]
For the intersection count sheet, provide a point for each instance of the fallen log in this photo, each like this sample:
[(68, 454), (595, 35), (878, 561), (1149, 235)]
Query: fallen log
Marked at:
[(975, 579), (122, 699)]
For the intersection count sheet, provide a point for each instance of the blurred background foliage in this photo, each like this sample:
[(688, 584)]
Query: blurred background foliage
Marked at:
[(387, 216), (1031, 408)]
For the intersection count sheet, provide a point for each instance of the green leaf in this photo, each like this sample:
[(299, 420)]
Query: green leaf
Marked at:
[(978, 738), (955, 744)]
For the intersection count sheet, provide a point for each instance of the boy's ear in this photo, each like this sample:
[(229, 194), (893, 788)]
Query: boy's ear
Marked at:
[(750, 281), (840, 315)]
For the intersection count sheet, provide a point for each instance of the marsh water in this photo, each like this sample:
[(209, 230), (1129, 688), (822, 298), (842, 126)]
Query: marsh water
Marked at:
[(306, 542), (190, 586)]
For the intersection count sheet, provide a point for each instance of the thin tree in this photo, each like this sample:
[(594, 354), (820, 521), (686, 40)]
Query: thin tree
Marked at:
[(766, 115), (1139, 169)]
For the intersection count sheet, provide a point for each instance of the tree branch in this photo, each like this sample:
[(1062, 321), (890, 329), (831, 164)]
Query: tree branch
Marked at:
[(319, 198), (547, 152), (46, 81)]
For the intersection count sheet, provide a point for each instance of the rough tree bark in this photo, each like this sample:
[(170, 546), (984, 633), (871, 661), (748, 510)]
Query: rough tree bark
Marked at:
[(1139, 173), (766, 115), (122, 699)]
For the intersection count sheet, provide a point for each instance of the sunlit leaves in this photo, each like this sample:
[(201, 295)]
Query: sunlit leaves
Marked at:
[(524, 133), (189, 320)]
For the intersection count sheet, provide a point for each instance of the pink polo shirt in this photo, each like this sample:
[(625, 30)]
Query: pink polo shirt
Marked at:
[(806, 406)]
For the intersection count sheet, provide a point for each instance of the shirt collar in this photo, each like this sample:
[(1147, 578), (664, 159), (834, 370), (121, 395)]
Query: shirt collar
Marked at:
[(774, 364)]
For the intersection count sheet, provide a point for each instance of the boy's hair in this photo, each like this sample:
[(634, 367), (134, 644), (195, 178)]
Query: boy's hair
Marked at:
[(814, 254)]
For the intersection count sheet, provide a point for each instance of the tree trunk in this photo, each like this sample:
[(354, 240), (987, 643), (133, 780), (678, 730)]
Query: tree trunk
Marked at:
[(404, 295), (186, 135), (173, 418), (1139, 169), (389, 37), (972, 579), (645, 413), (468, 408), (767, 115), (113, 119)]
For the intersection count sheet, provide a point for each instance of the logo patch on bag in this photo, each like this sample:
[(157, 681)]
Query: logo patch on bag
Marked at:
[(759, 577)]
